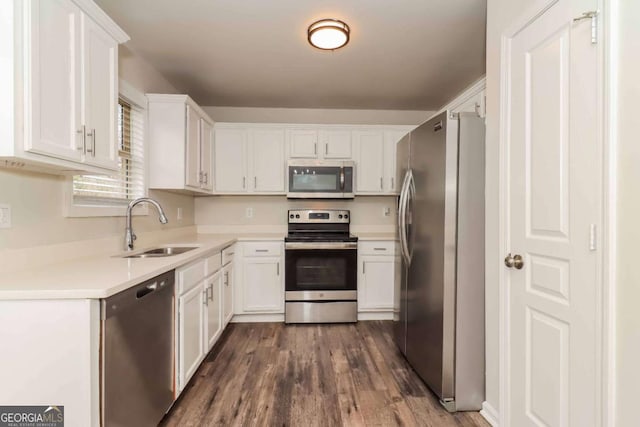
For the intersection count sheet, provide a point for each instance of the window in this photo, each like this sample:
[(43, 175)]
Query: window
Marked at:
[(128, 184)]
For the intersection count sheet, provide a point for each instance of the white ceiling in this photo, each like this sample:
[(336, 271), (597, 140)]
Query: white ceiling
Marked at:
[(403, 54)]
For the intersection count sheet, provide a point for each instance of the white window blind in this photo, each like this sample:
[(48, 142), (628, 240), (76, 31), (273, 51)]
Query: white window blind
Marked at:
[(128, 184)]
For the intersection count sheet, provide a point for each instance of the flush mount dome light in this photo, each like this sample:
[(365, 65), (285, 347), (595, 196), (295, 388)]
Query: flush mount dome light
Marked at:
[(328, 34)]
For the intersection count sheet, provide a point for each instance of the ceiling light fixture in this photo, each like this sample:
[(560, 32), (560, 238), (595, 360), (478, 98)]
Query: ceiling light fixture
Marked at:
[(328, 34)]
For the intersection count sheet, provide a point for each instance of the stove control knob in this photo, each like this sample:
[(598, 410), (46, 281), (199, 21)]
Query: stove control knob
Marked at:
[(340, 216), (346, 216), (291, 216), (297, 215)]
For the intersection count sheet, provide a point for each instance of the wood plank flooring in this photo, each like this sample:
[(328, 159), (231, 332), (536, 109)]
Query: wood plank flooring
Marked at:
[(271, 374)]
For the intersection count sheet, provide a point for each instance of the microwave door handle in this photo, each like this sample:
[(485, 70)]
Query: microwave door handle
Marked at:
[(342, 178)]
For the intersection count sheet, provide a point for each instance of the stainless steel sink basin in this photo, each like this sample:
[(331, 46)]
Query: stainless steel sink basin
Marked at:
[(162, 252)]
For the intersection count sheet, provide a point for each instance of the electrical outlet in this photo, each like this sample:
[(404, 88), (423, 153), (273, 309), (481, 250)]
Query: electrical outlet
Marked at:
[(179, 214), (249, 213), (386, 211), (5, 216)]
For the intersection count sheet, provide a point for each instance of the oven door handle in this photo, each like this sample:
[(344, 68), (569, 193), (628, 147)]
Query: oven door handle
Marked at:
[(320, 245)]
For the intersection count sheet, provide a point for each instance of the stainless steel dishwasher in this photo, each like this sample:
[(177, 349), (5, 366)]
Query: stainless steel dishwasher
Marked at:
[(137, 353)]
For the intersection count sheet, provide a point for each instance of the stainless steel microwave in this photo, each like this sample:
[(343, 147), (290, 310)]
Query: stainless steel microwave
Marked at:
[(320, 179)]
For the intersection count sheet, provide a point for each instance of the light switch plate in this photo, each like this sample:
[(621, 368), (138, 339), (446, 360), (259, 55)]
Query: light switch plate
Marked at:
[(5, 216), (179, 214), (386, 211)]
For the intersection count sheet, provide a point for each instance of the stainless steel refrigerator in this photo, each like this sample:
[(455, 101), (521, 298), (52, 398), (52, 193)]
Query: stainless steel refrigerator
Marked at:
[(439, 321)]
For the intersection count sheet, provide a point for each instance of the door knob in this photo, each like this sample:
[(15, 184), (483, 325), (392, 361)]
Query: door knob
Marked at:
[(514, 261)]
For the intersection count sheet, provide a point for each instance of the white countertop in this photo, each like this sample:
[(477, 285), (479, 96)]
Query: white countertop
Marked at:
[(102, 276)]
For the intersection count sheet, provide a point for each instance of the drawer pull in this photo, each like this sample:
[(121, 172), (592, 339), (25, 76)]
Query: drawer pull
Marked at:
[(262, 250), (379, 249), (230, 253)]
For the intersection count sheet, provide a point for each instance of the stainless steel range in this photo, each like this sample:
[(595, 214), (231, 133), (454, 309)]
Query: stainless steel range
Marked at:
[(321, 268)]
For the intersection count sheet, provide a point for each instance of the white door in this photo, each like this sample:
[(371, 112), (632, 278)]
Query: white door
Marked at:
[(554, 207), (375, 287), (369, 161), (267, 160), (206, 145), (100, 94), (214, 309), (263, 286), (227, 293), (193, 177), (303, 143), (191, 332), (230, 166), (336, 144), (55, 80)]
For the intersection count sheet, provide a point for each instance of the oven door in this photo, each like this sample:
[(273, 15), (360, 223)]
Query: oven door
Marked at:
[(321, 271), (320, 179)]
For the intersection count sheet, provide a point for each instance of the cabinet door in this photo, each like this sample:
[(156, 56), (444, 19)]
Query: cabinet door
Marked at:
[(191, 332), (55, 80), (267, 160), (192, 167), (336, 144), (370, 161), (263, 285), (230, 166), (206, 145), (375, 287), (303, 144), (227, 293), (391, 139), (100, 83), (213, 324)]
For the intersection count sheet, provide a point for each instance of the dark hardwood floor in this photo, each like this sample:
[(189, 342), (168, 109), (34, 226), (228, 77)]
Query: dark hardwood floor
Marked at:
[(271, 374)]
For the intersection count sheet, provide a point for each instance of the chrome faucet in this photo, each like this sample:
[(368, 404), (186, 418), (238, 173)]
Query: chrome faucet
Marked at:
[(129, 234)]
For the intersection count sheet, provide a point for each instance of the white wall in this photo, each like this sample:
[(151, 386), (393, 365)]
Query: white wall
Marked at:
[(270, 212), (628, 208), (317, 116), (37, 199)]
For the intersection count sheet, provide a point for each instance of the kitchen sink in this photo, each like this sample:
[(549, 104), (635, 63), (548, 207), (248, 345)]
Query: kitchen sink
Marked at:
[(162, 252)]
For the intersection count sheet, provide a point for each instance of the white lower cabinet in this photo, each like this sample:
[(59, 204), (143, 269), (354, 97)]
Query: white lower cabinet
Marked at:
[(200, 308), (377, 266), (260, 280), (190, 333)]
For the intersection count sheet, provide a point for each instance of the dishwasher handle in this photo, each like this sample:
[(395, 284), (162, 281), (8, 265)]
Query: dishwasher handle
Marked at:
[(137, 294)]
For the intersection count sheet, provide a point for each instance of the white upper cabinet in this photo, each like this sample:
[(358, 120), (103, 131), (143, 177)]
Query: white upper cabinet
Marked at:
[(336, 144), (249, 160), (180, 155), (369, 161), (67, 86), (267, 160), (230, 163), (303, 143)]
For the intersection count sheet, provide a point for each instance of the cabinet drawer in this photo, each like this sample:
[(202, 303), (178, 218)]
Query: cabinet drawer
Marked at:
[(262, 249), (191, 275), (214, 263), (381, 247), (227, 254)]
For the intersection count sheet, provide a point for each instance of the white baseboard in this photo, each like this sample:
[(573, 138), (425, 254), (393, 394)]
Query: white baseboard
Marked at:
[(375, 315), (490, 414), (257, 318)]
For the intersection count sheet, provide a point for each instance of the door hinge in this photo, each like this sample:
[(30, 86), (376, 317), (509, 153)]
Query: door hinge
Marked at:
[(593, 241), (593, 16)]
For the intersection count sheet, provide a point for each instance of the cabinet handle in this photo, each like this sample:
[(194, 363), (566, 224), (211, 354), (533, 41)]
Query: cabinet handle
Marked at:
[(262, 250), (244, 182), (379, 249), (326, 148), (92, 134), (211, 287), (278, 268), (205, 177), (200, 180), (315, 148), (83, 132), (363, 264), (206, 296), (226, 278), (255, 182), (381, 183)]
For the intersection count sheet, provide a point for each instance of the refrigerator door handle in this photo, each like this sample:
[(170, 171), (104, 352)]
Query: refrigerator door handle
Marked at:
[(411, 192), (402, 216)]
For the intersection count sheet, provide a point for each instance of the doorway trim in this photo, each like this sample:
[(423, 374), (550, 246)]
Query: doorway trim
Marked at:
[(605, 296)]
